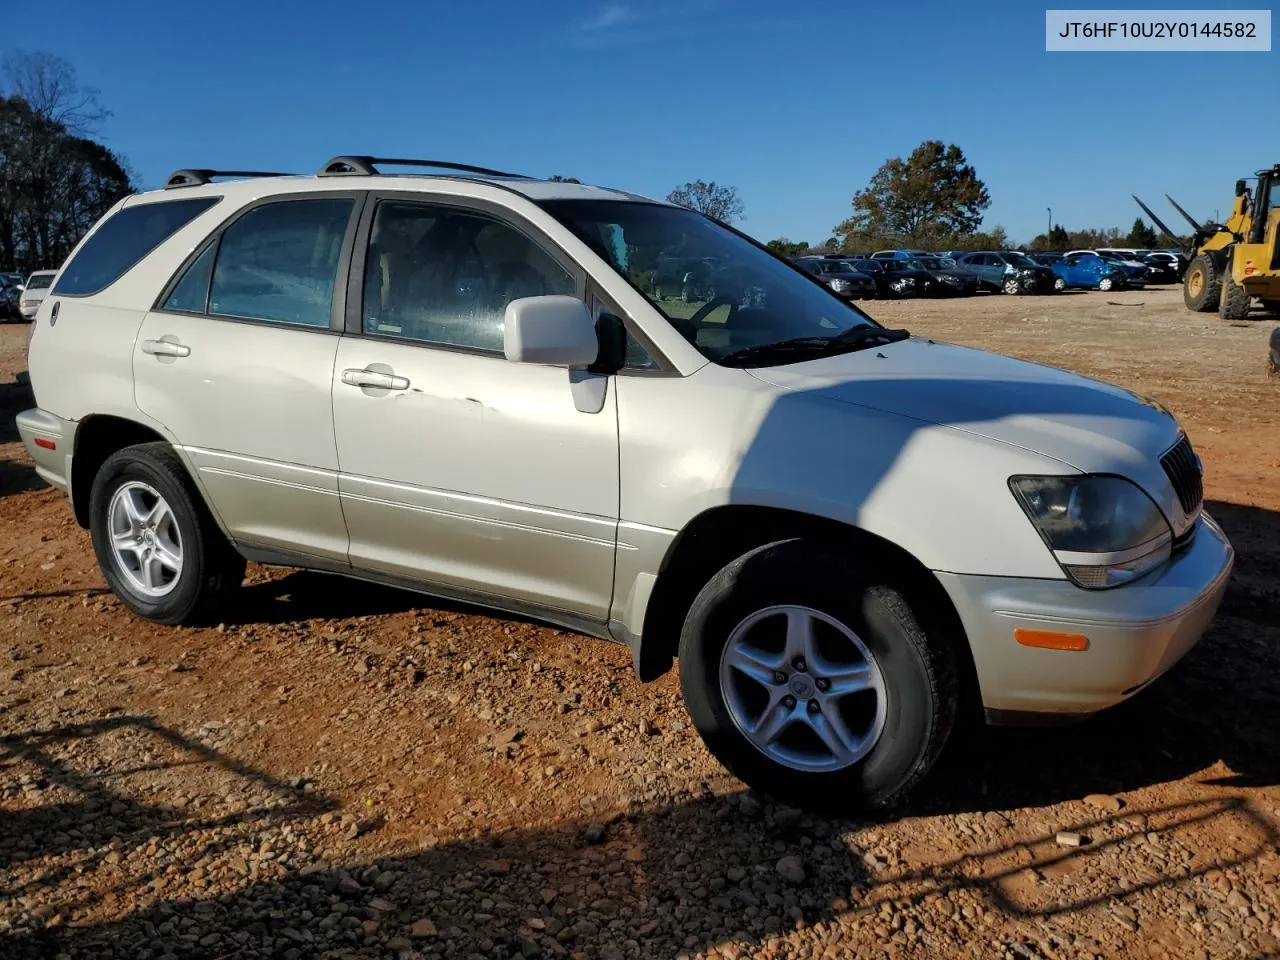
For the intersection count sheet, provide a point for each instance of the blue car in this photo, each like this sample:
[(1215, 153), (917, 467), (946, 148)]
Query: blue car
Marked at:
[(1090, 272)]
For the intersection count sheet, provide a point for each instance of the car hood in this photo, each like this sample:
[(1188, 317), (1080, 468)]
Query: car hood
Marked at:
[(957, 273), (1087, 424)]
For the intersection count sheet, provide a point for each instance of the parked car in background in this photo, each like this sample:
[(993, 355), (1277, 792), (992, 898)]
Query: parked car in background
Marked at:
[(34, 291), (1088, 271), (1136, 272), (9, 294), (1008, 271), (841, 276), (904, 280), (1045, 259), (850, 538), (951, 279), (1162, 271), (876, 271), (1132, 254), (899, 254), (1173, 263)]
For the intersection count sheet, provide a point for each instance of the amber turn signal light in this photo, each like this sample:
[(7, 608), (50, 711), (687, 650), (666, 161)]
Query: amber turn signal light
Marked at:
[(1050, 640)]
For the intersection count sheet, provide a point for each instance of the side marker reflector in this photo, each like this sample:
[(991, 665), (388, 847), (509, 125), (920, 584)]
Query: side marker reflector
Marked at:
[(1051, 640), (47, 444)]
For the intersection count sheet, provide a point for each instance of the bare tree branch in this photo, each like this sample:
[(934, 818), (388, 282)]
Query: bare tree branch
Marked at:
[(49, 86)]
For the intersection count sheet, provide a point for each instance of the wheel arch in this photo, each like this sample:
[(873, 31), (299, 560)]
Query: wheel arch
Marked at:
[(97, 437), (721, 534)]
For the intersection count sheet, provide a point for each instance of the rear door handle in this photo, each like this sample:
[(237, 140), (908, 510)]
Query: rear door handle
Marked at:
[(371, 378), (165, 348)]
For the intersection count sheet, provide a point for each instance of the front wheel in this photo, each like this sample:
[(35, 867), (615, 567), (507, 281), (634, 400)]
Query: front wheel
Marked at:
[(811, 680), (1059, 284), (1202, 285), (1106, 283), (1011, 286), (159, 548)]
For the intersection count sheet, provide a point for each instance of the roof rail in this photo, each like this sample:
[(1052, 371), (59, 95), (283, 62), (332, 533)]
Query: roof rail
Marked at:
[(194, 178), (346, 166)]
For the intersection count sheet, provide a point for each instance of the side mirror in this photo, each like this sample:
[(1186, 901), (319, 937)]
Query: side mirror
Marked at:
[(1241, 186), (553, 330)]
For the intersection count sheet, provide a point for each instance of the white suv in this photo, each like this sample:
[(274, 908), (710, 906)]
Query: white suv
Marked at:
[(464, 384)]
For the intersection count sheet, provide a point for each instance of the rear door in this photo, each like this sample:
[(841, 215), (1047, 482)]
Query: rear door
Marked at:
[(459, 469), (236, 360)]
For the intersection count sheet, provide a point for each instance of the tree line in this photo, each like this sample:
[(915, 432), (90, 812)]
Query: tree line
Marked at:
[(55, 179), (931, 200)]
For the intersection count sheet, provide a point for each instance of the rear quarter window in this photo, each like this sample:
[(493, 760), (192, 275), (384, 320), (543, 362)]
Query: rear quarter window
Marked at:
[(123, 239)]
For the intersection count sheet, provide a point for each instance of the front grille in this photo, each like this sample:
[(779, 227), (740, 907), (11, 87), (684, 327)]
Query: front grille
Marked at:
[(1183, 467)]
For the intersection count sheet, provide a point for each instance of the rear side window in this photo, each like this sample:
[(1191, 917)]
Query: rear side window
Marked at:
[(279, 262), (124, 239)]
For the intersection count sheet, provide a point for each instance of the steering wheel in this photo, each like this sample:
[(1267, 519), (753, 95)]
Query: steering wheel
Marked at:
[(715, 302)]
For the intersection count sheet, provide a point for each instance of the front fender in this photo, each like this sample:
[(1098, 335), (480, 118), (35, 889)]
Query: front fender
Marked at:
[(721, 437)]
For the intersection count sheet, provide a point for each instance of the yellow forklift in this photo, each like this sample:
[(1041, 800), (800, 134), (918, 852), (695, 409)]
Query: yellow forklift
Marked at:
[(1233, 262)]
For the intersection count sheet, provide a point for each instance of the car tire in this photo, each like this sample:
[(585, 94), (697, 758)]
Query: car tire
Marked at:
[(904, 718), (1011, 286), (1202, 285), (1106, 283), (176, 566), (1233, 303), (1059, 284)]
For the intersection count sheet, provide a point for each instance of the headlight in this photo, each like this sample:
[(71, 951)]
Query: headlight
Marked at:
[(948, 278), (840, 286), (1104, 531)]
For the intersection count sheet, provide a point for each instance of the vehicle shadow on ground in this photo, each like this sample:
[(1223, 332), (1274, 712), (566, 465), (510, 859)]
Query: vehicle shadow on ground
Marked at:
[(690, 875), (14, 398), (94, 807), (18, 477), (301, 595)]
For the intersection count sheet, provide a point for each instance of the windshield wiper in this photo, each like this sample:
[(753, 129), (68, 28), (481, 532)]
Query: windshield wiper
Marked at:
[(855, 338)]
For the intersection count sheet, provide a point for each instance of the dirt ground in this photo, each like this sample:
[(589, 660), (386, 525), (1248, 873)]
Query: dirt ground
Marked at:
[(343, 771)]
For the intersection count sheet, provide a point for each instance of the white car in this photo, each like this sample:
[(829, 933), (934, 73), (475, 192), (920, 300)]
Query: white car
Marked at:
[(34, 291), (465, 384)]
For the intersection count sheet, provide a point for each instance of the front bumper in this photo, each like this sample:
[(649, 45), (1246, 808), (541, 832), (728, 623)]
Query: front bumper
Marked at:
[(52, 454), (1136, 632)]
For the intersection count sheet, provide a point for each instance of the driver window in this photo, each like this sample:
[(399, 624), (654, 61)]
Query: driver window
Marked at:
[(445, 276)]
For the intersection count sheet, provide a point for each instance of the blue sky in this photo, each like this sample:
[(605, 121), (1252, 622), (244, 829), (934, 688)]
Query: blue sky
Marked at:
[(796, 105)]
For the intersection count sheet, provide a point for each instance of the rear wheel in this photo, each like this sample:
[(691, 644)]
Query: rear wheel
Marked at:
[(810, 679), (158, 546), (1234, 304), (1202, 285)]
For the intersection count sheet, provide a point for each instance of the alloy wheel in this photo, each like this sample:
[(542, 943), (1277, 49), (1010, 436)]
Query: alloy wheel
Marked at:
[(145, 541), (803, 688)]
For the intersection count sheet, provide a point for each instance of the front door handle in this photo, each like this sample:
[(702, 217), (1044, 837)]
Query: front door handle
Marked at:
[(371, 378), (165, 348)]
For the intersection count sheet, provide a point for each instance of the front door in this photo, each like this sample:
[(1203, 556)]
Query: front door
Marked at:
[(457, 467), (237, 362)]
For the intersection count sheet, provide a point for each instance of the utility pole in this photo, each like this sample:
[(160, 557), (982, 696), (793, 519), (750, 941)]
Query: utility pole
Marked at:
[(1050, 209)]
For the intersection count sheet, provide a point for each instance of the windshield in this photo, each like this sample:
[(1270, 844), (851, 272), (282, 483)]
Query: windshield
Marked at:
[(931, 263), (1019, 260), (40, 282), (718, 289), (866, 266)]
